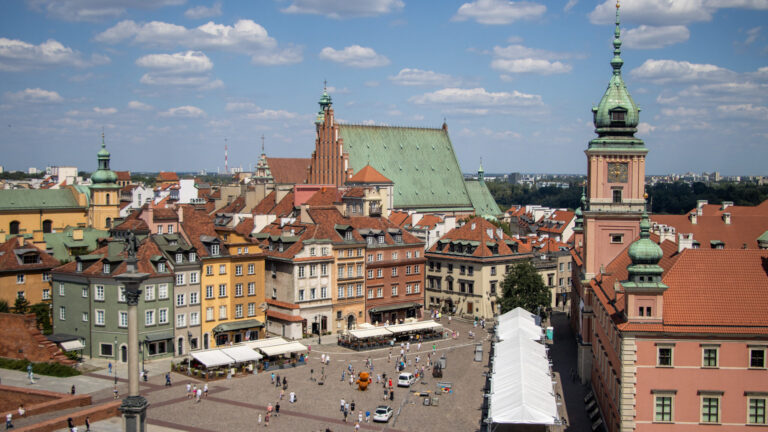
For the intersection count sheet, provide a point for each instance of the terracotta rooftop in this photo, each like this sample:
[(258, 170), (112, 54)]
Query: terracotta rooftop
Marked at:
[(164, 213), (428, 221), (289, 170), (282, 304), (167, 176), (236, 206), (123, 175), (265, 205), (475, 232), (399, 218), (11, 256), (324, 197), (198, 223), (368, 174)]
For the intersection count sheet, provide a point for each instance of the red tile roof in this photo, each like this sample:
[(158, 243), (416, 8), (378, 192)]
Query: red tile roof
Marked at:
[(265, 205), (355, 192), (282, 304), (284, 317), (164, 213), (147, 249), (476, 229), (123, 175), (197, 223), (11, 262), (428, 221), (236, 206), (399, 218), (368, 174), (326, 196), (285, 206), (245, 227), (167, 176), (289, 170)]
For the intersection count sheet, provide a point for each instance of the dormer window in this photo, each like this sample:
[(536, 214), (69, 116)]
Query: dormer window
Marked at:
[(105, 268), (179, 258), (31, 259), (192, 257), (348, 235), (618, 116), (214, 249), (369, 240), (399, 238), (79, 266), (381, 239), (161, 267), (279, 247)]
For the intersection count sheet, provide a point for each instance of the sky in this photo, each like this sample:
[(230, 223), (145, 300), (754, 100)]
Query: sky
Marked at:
[(171, 82)]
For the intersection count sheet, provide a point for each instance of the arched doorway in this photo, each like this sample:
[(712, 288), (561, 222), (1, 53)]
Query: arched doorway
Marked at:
[(123, 354), (47, 226), (350, 322), (13, 227), (205, 341), (180, 344)]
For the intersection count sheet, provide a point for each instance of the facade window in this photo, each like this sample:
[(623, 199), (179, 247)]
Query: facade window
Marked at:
[(709, 357), (149, 292), (180, 299), (663, 409), (312, 252), (251, 269), (408, 254), (179, 258), (238, 311), (162, 291), (251, 309), (209, 314), (251, 288), (170, 229), (79, 266), (380, 239), (757, 357), (408, 289), (312, 270), (99, 293), (179, 278), (149, 317), (417, 254), (193, 298), (222, 312), (193, 277), (301, 295), (379, 257), (194, 318), (341, 292), (394, 290), (350, 271), (323, 292), (407, 270), (222, 290), (85, 317), (214, 249), (370, 274), (312, 293), (162, 316), (416, 288), (359, 272), (350, 290), (46, 277), (105, 349), (161, 267), (46, 293), (222, 269), (617, 195), (324, 251), (122, 319), (617, 238), (238, 290), (379, 273), (756, 410), (370, 257), (181, 320), (359, 289), (85, 292), (394, 271), (159, 229), (121, 294), (239, 270), (617, 116), (493, 288), (471, 271), (323, 269), (105, 268), (380, 292), (209, 291), (710, 409), (394, 256), (62, 313), (192, 257), (340, 270), (301, 271), (209, 270), (370, 293)]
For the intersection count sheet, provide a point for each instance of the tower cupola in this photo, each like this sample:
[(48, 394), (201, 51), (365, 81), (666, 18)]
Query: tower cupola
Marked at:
[(103, 175)]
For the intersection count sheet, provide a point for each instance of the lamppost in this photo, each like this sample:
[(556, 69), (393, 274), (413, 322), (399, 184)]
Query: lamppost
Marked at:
[(134, 406), (116, 360)]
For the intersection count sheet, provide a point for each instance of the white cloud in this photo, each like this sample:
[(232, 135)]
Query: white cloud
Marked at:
[(200, 82), (35, 95), (568, 6), (17, 55), (418, 77), (199, 12), (184, 111), (645, 128), (355, 56), (683, 112), (241, 106), (95, 10), (752, 35), (104, 111), (336, 90), (477, 97), (498, 12), (245, 36), (517, 58), (667, 12), (651, 37), (268, 114), (345, 8), (139, 106), (371, 83), (186, 62), (745, 111), (665, 71)]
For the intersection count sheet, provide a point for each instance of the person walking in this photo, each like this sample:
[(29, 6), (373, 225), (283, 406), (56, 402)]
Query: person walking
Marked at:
[(205, 390), (341, 408), (167, 379), (189, 390), (277, 380), (359, 418), (115, 393), (273, 378), (277, 409), (282, 393), (109, 366), (285, 383), (72, 390), (266, 420), (22, 411), (367, 416), (87, 424), (352, 406), (259, 421), (198, 395)]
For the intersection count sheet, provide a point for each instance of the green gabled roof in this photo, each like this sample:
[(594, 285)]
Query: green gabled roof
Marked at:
[(481, 198), (420, 161), (58, 242), (25, 199)]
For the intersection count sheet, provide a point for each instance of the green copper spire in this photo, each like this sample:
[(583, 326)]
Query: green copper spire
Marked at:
[(481, 171), (103, 175), (645, 251), (325, 102), (579, 223), (617, 62)]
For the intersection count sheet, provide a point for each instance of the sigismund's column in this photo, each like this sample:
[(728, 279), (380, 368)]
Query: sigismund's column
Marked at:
[(134, 406)]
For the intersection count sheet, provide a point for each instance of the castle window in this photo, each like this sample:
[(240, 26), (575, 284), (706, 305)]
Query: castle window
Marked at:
[(108, 199), (617, 195), (47, 226), (618, 116), (14, 227)]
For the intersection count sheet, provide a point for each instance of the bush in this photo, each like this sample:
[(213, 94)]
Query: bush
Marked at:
[(50, 369)]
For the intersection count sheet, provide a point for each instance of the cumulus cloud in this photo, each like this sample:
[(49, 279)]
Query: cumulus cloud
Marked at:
[(752, 35), (683, 112), (355, 56), (568, 6), (418, 77), (517, 58), (199, 12), (651, 37), (747, 111), (186, 62), (245, 36), (667, 12), (186, 111), (200, 82), (94, 10), (344, 8), (35, 95), (645, 128), (498, 12), (665, 71), (139, 106), (477, 97), (253, 111), (104, 111), (17, 55)]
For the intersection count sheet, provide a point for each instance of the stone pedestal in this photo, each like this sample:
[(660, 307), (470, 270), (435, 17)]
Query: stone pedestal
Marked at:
[(134, 409)]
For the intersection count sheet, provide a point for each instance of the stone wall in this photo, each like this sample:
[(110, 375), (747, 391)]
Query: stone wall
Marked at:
[(21, 339)]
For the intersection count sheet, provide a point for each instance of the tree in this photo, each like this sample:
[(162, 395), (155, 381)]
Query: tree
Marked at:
[(21, 305), (42, 312), (523, 287), (4, 307)]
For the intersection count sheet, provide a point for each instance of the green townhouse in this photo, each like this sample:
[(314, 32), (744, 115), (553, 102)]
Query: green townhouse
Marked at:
[(89, 302)]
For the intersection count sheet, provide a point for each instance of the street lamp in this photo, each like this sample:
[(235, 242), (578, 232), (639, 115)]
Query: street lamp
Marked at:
[(143, 369), (116, 360), (134, 406)]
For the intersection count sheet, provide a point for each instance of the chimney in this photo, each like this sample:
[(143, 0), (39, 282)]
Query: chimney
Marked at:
[(727, 218), (726, 204), (684, 241), (180, 213), (693, 216), (700, 207), (77, 234)]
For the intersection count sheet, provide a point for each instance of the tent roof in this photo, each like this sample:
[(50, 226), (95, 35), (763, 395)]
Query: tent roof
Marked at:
[(72, 345), (212, 358), (290, 347), (261, 343), (242, 354), (370, 332)]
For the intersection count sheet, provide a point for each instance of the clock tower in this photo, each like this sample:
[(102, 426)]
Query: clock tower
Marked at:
[(615, 172)]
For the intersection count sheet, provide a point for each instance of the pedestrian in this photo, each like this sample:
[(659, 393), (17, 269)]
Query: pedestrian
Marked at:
[(266, 420), (205, 390), (408, 347), (357, 426), (359, 418), (434, 348), (386, 393), (277, 381), (273, 377), (292, 397), (277, 409), (70, 423), (9, 420), (198, 395), (322, 358), (352, 405), (115, 393), (328, 359), (282, 393), (259, 418), (189, 390), (341, 403), (343, 372), (346, 407), (269, 408), (167, 379), (351, 379), (109, 366), (367, 416), (22, 411), (389, 356), (344, 412), (87, 424), (285, 383), (311, 374), (378, 378), (73, 389)]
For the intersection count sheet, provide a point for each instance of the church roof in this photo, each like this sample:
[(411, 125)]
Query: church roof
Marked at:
[(420, 161), (25, 199), (288, 170), (481, 198)]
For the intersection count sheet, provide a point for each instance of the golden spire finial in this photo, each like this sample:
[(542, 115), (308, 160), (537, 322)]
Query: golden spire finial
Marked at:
[(617, 4)]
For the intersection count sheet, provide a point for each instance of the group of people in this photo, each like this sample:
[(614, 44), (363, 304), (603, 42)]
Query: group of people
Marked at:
[(348, 410), (196, 393)]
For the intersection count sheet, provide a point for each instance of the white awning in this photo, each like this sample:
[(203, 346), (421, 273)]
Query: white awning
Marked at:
[(242, 354), (290, 347), (370, 332), (419, 325), (72, 345), (262, 343), (212, 358)]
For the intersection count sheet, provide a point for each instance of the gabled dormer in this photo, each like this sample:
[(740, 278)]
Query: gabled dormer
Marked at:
[(212, 245)]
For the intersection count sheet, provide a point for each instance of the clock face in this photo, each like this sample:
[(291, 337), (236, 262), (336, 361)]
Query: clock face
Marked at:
[(617, 172)]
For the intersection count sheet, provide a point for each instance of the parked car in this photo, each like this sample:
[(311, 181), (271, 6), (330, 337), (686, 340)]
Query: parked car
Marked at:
[(382, 414), (405, 379)]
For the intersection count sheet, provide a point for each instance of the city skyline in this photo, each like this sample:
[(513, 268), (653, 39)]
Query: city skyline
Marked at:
[(169, 81)]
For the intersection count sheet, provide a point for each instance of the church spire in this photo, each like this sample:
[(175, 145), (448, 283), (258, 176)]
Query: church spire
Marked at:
[(617, 62)]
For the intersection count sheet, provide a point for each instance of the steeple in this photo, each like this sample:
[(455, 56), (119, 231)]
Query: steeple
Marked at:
[(645, 271), (324, 102), (103, 175), (579, 223), (481, 172)]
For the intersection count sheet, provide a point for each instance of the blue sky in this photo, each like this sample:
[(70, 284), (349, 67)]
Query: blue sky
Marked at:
[(170, 80)]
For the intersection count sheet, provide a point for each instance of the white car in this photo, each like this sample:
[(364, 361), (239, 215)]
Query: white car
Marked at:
[(405, 379), (383, 414)]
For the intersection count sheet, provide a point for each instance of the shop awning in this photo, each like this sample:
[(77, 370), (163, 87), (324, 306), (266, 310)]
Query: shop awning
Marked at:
[(238, 325), (153, 337), (414, 326), (370, 332), (261, 343), (290, 347), (212, 358), (72, 345), (397, 306), (242, 354)]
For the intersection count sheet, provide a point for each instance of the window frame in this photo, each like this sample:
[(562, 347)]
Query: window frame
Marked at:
[(753, 349), (757, 397), (704, 359), (656, 414), (671, 349), (718, 407)]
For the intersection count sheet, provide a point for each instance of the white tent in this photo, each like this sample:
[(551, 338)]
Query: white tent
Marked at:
[(72, 345), (517, 312), (370, 332), (290, 347), (242, 354), (261, 343), (418, 325), (212, 358), (514, 325)]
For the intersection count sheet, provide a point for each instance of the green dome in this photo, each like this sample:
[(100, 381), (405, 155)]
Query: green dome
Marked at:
[(645, 251), (103, 174)]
